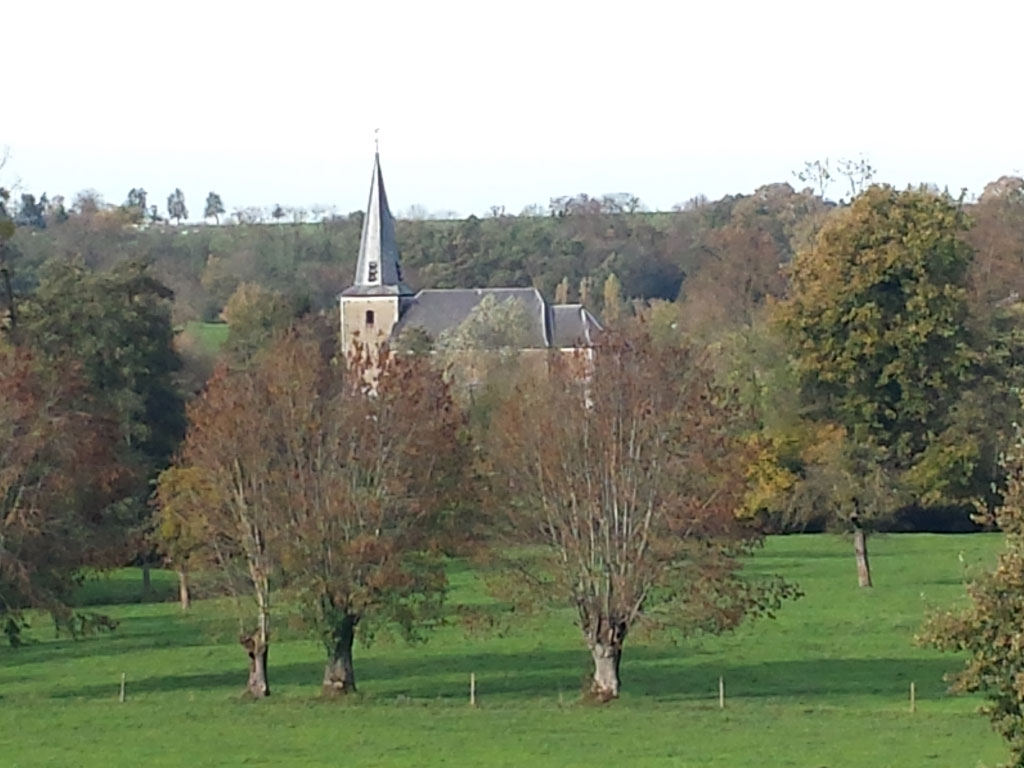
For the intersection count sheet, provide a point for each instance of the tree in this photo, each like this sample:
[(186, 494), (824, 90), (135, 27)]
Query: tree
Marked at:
[(378, 473), (135, 204), (30, 212), (116, 327), (621, 471), (88, 202), (176, 206), (876, 324), (988, 629), (214, 207), (818, 173), (586, 284), (254, 314), (7, 229), (612, 299), (294, 476), (229, 450), (858, 174), (60, 476), (483, 355), (562, 291), (741, 272), (181, 495)]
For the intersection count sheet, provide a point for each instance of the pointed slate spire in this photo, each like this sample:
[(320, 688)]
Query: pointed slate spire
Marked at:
[(378, 270)]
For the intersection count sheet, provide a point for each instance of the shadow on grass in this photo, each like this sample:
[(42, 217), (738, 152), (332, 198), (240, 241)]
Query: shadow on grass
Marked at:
[(132, 633), (647, 672)]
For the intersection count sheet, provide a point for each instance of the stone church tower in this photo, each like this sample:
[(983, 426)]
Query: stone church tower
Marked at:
[(379, 305), (372, 306)]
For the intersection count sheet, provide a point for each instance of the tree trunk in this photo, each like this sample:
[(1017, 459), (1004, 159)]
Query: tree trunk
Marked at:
[(339, 675), (257, 647), (860, 550), (147, 585), (606, 683), (184, 589)]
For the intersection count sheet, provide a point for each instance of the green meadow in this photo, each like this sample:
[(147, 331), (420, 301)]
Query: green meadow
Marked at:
[(824, 684), (209, 336)]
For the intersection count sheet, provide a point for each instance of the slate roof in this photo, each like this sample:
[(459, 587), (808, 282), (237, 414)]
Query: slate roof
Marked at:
[(441, 309), (438, 309), (572, 326)]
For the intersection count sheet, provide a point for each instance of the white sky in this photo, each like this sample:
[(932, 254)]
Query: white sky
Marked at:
[(484, 103)]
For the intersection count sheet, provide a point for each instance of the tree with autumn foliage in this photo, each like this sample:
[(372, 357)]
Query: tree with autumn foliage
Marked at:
[(328, 482), (620, 478), (378, 472), (988, 629), (182, 492), (60, 479), (877, 327)]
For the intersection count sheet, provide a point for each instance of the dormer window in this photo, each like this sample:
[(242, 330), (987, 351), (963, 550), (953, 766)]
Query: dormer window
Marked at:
[(373, 271), (369, 318)]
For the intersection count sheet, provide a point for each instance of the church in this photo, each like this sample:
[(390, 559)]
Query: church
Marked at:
[(379, 306)]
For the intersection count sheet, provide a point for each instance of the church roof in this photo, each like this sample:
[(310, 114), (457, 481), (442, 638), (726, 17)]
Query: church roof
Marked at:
[(572, 326), (378, 271), (440, 309)]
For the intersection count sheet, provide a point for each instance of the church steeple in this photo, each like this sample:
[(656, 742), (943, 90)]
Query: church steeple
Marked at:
[(378, 271)]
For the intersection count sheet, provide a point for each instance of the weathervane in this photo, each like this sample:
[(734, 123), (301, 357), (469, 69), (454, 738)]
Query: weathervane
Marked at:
[(376, 140)]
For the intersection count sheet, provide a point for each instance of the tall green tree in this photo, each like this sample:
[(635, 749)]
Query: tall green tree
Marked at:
[(214, 207), (117, 327), (877, 327), (176, 206), (135, 204)]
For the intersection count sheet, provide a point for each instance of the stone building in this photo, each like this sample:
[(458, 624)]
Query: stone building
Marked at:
[(379, 305)]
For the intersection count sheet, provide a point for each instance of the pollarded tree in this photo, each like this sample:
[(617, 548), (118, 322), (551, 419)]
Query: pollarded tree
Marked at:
[(876, 324), (375, 476), (301, 476), (623, 470), (988, 630), (230, 452)]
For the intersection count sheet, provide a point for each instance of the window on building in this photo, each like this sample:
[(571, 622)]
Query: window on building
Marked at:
[(373, 271), (369, 318)]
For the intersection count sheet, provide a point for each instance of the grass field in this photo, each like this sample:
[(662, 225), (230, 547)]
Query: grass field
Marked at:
[(210, 336), (825, 684)]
